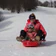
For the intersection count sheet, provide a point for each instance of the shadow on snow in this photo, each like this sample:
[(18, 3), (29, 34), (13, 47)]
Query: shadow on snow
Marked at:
[(48, 43)]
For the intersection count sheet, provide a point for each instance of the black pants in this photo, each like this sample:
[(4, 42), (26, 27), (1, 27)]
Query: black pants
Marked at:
[(23, 33), (39, 33)]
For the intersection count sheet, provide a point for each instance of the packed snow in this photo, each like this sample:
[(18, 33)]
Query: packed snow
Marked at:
[(13, 23)]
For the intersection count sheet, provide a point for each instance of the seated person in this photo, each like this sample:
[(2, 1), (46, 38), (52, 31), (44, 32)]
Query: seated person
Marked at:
[(37, 26), (32, 34)]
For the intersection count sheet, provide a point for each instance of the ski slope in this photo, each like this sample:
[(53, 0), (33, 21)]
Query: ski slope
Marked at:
[(12, 24)]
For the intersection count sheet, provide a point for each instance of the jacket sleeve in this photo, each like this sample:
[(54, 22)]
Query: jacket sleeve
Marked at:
[(25, 28), (43, 30)]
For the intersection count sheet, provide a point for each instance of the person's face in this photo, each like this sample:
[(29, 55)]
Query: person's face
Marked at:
[(32, 20), (30, 30)]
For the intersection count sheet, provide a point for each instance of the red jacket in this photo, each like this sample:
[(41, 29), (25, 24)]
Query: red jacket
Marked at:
[(37, 26), (31, 35)]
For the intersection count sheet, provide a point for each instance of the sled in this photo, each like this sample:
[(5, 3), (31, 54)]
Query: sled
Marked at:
[(30, 43)]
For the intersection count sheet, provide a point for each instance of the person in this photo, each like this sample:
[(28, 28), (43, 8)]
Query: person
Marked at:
[(39, 29), (31, 33)]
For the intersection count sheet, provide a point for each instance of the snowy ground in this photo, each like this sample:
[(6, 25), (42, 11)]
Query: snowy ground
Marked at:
[(13, 23)]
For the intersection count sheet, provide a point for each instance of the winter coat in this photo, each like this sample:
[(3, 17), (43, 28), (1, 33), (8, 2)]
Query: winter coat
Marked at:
[(31, 35), (37, 26)]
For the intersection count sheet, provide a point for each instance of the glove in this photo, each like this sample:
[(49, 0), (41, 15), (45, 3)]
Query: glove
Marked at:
[(32, 39)]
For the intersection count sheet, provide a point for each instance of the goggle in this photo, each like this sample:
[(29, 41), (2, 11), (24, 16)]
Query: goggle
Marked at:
[(30, 26), (32, 17)]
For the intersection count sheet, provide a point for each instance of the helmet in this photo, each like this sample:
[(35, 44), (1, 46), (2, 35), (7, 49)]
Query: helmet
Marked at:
[(32, 16)]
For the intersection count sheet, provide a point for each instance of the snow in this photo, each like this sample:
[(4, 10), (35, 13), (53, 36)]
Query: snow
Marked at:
[(13, 23), (46, 0)]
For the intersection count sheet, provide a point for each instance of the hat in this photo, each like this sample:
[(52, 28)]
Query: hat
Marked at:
[(32, 16), (30, 26)]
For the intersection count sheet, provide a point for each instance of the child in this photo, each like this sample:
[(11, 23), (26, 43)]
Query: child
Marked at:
[(32, 34)]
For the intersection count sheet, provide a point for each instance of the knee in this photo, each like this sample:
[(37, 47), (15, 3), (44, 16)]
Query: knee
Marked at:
[(39, 32), (23, 33)]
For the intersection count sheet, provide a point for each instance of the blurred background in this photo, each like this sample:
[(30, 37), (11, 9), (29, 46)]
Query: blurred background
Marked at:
[(25, 5)]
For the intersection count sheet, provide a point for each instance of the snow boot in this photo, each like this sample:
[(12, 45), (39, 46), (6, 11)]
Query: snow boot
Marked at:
[(19, 38)]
